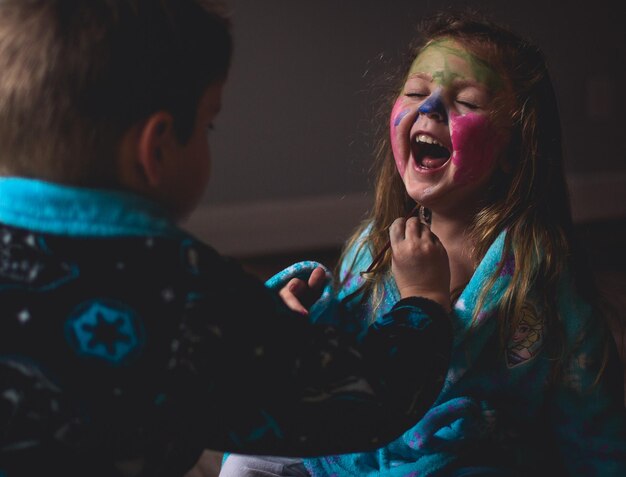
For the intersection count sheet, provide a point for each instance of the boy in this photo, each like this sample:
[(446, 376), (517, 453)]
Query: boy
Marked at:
[(121, 336)]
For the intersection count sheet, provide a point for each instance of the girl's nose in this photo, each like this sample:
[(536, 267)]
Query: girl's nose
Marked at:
[(434, 108)]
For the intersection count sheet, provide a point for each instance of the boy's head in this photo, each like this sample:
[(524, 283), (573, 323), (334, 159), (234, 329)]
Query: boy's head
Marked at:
[(76, 76)]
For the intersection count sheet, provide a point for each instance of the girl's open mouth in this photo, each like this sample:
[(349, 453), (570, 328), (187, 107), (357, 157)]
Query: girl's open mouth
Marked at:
[(428, 153)]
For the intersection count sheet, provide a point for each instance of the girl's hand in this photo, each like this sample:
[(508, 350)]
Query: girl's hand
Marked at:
[(299, 295), (419, 261)]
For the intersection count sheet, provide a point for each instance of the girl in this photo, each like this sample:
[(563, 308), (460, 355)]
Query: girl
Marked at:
[(532, 389)]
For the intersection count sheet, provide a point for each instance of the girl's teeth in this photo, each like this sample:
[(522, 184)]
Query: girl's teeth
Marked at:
[(427, 140)]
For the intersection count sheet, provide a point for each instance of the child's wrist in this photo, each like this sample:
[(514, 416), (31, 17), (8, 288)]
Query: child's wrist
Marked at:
[(443, 298)]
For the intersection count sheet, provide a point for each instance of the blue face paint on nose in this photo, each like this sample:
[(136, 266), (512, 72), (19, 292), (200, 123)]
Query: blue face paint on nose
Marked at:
[(434, 105)]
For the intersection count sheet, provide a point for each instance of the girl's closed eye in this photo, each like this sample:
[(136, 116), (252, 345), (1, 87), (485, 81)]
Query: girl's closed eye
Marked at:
[(471, 98), (468, 104), (413, 94)]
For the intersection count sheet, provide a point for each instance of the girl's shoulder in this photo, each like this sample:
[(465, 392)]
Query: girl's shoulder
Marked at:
[(357, 255)]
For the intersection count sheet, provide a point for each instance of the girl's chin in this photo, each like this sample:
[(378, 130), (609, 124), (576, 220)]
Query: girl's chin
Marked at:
[(423, 195), (419, 187)]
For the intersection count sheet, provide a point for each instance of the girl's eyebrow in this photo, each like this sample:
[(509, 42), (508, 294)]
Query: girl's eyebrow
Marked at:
[(463, 82), (455, 79), (424, 76)]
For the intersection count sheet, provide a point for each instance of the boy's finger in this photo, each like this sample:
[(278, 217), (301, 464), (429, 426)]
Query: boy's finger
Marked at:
[(317, 279), (293, 303), (290, 295), (296, 286)]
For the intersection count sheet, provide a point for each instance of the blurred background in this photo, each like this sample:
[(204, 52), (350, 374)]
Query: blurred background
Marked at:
[(293, 145)]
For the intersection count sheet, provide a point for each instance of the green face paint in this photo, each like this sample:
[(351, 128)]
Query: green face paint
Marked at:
[(446, 129), (446, 61)]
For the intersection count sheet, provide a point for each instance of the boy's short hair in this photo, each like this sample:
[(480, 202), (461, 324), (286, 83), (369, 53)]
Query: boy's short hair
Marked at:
[(75, 75)]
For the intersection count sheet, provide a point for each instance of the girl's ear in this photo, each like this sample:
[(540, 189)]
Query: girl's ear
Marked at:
[(155, 144)]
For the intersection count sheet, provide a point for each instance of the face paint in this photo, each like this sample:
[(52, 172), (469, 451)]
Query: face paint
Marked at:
[(397, 131), (446, 105), (434, 105), (475, 142), (399, 117), (403, 118), (443, 73)]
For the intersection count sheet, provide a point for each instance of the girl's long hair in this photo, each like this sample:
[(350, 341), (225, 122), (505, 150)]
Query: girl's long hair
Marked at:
[(530, 202)]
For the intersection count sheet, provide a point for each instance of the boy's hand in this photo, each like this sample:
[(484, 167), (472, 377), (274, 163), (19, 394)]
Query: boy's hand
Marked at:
[(299, 295), (419, 262)]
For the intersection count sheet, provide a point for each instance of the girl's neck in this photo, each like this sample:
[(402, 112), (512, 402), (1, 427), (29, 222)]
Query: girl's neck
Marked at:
[(452, 231)]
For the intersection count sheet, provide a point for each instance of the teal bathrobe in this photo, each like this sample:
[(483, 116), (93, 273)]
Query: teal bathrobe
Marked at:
[(501, 409)]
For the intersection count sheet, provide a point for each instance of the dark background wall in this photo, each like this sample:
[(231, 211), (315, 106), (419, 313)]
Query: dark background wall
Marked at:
[(296, 119), (293, 143)]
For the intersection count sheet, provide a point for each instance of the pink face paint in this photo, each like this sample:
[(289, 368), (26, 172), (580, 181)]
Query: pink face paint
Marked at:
[(400, 116), (399, 134), (475, 142)]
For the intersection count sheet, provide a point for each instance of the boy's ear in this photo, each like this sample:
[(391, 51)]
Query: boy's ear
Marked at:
[(156, 140)]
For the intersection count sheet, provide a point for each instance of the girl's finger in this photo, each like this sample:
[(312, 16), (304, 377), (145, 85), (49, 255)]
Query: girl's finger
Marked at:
[(414, 227), (429, 234), (397, 231)]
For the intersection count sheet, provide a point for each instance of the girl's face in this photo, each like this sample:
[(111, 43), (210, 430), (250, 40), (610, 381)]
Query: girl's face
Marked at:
[(445, 137)]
